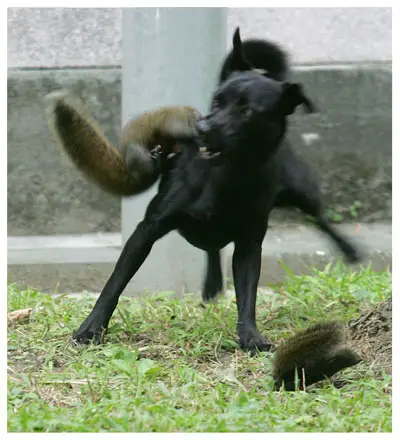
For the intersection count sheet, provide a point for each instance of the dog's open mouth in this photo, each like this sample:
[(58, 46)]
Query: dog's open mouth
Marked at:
[(209, 152)]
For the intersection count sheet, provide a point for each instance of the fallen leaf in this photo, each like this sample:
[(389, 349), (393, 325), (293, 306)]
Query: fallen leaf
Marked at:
[(18, 315)]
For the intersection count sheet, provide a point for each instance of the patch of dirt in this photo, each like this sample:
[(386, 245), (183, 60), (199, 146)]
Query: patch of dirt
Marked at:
[(371, 336)]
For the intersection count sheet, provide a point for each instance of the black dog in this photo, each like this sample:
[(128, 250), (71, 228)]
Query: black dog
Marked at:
[(223, 195), (298, 184)]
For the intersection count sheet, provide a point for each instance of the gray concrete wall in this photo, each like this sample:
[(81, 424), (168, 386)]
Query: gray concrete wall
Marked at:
[(78, 37), (46, 194), (348, 142), (355, 106)]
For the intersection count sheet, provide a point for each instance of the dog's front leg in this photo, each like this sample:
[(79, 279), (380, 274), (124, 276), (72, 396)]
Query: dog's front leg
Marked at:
[(160, 218), (246, 266), (132, 257)]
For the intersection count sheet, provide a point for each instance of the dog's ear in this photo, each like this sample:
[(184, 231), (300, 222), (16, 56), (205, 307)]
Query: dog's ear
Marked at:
[(293, 95), (239, 60)]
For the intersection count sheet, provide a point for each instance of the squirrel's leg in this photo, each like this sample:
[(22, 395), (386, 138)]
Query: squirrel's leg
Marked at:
[(213, 282), (143, 165), (158, 221), (246, 266)]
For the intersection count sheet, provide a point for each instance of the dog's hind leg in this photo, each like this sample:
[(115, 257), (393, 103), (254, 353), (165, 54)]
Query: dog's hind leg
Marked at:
[(213, 282), (308, 201), (351, 254), (246, 265), (300, 189)]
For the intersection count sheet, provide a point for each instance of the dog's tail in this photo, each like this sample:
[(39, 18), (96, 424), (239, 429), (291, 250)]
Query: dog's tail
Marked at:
[(123, 170), (265, 56)]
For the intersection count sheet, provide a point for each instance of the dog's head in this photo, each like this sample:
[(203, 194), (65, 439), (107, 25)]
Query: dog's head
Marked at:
[(240, 63), (248, 109)]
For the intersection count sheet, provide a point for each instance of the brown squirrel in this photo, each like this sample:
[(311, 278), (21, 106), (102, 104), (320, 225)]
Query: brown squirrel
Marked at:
[(313, 354), (135, 164)]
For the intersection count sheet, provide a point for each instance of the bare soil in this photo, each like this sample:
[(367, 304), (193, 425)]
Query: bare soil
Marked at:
[(371, 336)]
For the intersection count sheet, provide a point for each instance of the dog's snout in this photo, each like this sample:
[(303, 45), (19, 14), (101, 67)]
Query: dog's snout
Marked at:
[(202, 125)]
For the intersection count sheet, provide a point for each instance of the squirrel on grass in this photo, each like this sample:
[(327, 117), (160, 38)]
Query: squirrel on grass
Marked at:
[(312, 355), (145, 142)]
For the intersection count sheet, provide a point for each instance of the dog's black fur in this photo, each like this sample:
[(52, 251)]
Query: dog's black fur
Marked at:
[(268, 57), (298, 183), (215, 201)]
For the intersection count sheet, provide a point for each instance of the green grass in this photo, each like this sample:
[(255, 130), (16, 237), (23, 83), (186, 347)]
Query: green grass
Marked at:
[(171, 365)]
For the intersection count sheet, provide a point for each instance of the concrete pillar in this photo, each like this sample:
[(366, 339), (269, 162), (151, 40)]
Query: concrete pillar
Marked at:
[(170, 56)]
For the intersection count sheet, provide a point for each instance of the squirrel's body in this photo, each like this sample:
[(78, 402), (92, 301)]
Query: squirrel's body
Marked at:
[(132, 166), (313, 354)]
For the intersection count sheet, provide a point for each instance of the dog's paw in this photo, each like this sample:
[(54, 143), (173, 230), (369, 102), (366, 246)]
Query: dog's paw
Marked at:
[(208, 295), (213, 285), (253, 341), (353, 255), (90, 331)]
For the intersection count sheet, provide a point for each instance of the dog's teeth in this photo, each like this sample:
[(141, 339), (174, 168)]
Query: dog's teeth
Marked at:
[(210, 155), (203, 149)]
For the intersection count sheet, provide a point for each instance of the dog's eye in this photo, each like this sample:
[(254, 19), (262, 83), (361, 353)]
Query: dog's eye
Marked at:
[(243, 105), (242, 101), (246, 111)]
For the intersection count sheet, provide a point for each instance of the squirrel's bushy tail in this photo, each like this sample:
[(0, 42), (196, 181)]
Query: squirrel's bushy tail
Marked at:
[(81, 138)]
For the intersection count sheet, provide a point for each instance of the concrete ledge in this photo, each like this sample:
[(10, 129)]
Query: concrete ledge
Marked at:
[(84, 263), (67, 249)]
